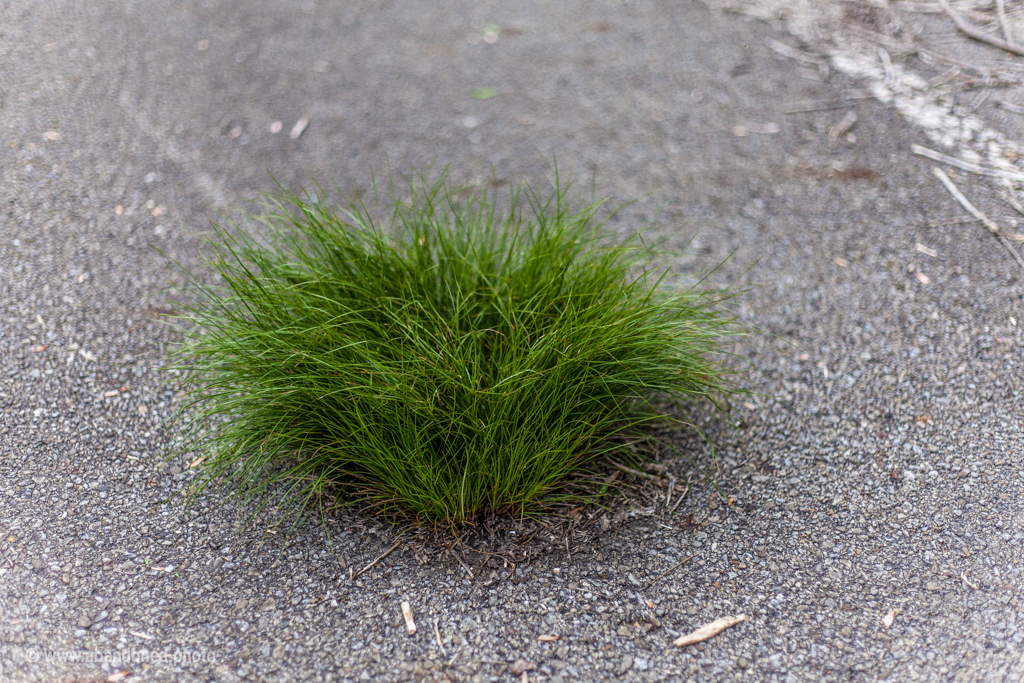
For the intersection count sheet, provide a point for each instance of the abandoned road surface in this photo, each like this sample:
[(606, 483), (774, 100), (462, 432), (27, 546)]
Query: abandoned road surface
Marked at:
[(872, 523)]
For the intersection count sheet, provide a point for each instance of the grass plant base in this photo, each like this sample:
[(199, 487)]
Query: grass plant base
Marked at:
[(449, 361)]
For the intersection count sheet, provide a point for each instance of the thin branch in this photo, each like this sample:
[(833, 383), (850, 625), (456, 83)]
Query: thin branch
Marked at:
[(677, 565), (964, 202), (973, 210), (1011, 197), (385, 554), (459, 560), (966, 165), (973, 32), (1001, 11), (637, 473)]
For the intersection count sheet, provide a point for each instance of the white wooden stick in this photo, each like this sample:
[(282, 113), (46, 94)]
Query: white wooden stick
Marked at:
[(407, 613)]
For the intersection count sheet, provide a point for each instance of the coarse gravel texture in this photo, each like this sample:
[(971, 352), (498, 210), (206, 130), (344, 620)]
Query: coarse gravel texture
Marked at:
[(880, 472)]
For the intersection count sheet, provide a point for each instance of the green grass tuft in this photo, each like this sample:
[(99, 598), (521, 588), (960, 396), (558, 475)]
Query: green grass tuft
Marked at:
[(449, 361)]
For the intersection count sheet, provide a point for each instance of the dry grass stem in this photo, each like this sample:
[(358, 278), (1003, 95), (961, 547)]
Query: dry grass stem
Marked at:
[(976, 34)]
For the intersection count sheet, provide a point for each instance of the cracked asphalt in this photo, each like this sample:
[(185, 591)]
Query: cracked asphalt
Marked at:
[(871, 519)]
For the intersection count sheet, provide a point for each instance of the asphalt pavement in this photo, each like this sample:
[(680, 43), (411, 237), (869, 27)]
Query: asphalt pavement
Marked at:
[(869, 516)]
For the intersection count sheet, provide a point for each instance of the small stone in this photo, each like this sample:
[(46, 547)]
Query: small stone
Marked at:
[(520, 666), (268, 606), (624, 631), (742, 663), (278, 652), (84, 621), (846, 631), (932, 586), (626, 664), (241, 604)]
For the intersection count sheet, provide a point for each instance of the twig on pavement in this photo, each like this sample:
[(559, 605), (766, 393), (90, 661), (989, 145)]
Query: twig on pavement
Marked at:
[(386, 553), (964, 202), (973, 32), (966, 165), (459, 560), (973, 210), (674, 567), (1001, 11), (437, 634)]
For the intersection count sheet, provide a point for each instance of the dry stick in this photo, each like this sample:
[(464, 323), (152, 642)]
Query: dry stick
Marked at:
[(966, 165), (437, 634), (1011, 197), (1001, 11), (945, 77), (933, 8), (681, 498), (981, 71), (676, 566), (971, 209), (410, 623), (791, 52), (984, 96), (637, 473), (464, 565), (842, 127), (386, 553), (847, 100), (709, 630), (973, 32), (1009, 106), (964, 202)]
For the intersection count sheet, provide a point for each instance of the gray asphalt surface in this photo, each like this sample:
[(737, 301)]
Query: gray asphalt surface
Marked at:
[(883, 475)]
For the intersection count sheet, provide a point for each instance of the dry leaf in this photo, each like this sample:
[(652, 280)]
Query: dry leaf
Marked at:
[(889, 616), (547, 639), (709, 630), (117, 675), (840, 261), (923, 279)]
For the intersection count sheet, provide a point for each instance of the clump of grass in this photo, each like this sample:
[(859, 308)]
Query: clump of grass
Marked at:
[(448, 361)]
